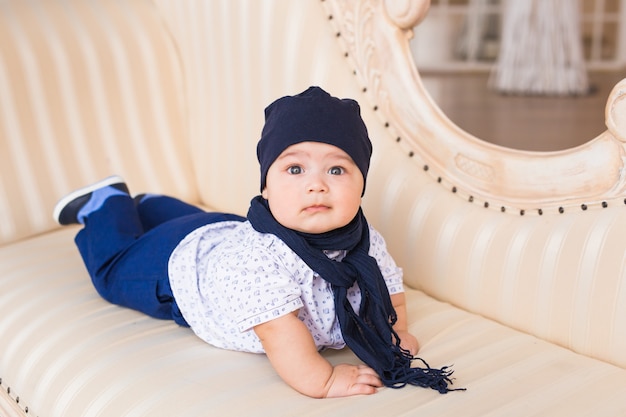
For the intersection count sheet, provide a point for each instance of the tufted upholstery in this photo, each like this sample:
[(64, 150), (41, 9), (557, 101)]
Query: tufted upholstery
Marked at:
[(514, 261)]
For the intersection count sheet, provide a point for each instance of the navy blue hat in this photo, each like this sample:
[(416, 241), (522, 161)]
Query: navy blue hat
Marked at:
[(314, 116)]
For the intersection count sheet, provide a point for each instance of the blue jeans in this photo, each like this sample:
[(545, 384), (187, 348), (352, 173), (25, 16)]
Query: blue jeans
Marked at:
[(126, 249)]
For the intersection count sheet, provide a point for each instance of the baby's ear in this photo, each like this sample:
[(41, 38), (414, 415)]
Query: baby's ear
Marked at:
[(264, 193)]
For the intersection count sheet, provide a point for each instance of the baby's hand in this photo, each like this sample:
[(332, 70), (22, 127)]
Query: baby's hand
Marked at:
[(353, 380), (408, 342)]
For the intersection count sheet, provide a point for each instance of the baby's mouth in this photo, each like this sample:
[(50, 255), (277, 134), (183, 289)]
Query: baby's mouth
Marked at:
[(316, 208)]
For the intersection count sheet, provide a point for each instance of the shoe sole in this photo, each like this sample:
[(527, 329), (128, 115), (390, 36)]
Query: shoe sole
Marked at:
[(60, 205)]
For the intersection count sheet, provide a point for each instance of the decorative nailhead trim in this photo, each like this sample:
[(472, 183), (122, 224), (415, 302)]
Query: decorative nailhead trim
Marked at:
[(455, 190), (17, 398)]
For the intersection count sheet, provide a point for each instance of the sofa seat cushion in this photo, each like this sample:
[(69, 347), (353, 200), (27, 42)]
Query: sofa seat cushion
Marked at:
[(67, 352)]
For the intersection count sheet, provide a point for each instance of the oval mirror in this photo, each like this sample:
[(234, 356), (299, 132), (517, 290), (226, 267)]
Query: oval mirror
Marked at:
[(524, 75)]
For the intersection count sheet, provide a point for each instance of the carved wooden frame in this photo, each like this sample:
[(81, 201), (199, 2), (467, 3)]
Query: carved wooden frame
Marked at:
[(375, 35)]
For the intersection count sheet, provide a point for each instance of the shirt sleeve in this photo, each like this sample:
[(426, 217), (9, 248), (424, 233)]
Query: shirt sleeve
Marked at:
[(391, 272)]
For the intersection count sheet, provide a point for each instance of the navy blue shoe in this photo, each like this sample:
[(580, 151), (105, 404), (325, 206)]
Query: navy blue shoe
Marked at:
[(66, 211)]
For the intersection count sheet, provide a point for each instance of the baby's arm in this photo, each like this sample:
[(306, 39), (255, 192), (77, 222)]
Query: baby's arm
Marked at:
[(407, 340), (293, 354)]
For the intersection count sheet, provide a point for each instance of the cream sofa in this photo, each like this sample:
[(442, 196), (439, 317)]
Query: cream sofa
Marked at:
[(514, 261)]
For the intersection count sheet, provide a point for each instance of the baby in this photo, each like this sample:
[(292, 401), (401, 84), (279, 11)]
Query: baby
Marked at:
[(303, 272)]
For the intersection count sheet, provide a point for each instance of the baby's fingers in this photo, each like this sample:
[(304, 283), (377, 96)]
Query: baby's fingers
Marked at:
[(366, 382), (353, 380), (368, 376)]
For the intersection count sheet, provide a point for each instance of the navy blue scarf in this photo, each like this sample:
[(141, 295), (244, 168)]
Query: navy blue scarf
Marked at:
[(370, 333)]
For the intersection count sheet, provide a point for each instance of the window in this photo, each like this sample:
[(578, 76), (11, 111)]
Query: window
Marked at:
[(465, 34)]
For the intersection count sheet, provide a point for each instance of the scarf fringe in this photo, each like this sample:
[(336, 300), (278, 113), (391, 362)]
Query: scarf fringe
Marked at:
[(403, 374)]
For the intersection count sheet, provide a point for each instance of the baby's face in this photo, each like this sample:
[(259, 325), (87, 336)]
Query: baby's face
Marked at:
[(313, 187)]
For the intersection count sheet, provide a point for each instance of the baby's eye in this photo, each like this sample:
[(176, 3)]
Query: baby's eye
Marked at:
[(336, 171), (294, 170)]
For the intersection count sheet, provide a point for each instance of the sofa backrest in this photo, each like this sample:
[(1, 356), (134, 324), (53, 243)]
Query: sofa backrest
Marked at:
[(87, 88)]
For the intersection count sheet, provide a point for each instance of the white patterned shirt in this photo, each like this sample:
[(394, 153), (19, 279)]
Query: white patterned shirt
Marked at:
[(227, 278)]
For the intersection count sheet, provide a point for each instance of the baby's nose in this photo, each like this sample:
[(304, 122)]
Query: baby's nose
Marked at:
[(317, 184)]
